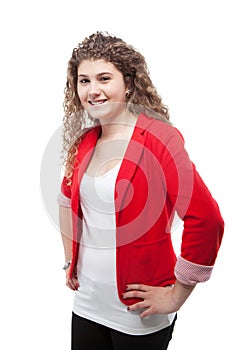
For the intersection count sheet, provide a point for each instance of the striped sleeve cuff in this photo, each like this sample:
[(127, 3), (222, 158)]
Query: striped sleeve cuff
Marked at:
[(63, 200), (190, 273)]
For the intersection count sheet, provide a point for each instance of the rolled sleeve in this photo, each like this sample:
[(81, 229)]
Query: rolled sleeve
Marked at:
[(190, 273), (63, 201)]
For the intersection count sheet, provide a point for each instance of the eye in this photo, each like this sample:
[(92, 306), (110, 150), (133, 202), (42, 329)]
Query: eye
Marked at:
[(84, 81), (104, 78)]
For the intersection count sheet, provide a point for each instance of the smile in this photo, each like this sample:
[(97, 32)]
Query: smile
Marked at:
[(96, 103)]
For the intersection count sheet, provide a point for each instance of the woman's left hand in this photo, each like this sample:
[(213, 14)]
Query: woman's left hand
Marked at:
[(157, 300)]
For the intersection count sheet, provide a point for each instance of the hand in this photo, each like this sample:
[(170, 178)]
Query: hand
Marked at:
[(72, 283), (157, 300)]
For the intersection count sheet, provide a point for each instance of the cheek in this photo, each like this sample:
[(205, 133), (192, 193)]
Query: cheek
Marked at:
[(117, 93), (121, 96), (81, 94)]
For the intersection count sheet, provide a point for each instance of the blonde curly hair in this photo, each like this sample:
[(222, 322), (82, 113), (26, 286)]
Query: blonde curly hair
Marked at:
[(130, 63)]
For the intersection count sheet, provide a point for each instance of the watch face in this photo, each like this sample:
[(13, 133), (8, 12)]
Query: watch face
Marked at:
[(65, 267)]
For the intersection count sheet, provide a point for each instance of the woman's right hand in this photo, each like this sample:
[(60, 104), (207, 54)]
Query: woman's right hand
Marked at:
[(72, 282)]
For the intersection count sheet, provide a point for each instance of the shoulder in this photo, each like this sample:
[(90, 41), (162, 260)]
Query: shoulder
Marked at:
[(160, 131), (88, 135), (89, 132)]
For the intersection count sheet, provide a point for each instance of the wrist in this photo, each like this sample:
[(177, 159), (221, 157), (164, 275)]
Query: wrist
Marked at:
[(180, 293), (67, 265)]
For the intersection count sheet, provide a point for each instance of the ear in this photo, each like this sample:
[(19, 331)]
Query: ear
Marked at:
[(127, 94)]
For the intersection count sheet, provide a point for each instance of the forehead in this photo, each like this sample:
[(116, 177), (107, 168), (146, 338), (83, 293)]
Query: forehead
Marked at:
[(96, 67)]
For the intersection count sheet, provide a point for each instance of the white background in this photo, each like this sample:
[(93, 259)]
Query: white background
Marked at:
[(188, 48)]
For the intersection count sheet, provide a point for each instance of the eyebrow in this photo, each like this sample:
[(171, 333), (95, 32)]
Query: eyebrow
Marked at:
[(99, 74)]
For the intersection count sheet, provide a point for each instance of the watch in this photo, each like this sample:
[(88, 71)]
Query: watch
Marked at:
[(67, 265)]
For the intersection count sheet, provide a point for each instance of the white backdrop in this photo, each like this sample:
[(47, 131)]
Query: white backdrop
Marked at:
[(188, 48)]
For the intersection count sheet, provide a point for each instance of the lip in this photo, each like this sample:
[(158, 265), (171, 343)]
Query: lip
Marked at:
[(97, 102)]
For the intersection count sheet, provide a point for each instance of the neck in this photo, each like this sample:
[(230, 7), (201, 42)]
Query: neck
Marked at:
[(118, 127)]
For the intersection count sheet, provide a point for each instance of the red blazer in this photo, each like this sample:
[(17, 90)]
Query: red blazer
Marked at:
[(155, 180)]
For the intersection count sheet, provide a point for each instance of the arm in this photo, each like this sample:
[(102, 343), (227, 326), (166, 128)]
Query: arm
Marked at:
[(203, 230), (65, 217), (66, 230), (158, 300)]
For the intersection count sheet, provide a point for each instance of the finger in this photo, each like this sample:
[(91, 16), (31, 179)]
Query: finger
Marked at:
[(69, 284), (76, 284), (141, 287), (140, 305), (148, 312), (134, 294), (75, 280), (72, 283)]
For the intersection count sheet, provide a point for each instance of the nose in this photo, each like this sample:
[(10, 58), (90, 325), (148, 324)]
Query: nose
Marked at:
[(94, 89)]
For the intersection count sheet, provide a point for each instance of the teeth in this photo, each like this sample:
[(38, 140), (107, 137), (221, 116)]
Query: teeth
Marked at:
[(97, 102)]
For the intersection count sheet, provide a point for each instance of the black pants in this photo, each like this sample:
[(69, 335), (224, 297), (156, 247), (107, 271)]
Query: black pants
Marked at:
[(88, 335)]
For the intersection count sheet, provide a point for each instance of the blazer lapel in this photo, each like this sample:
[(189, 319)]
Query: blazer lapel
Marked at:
[(130, 162), (86, 150)]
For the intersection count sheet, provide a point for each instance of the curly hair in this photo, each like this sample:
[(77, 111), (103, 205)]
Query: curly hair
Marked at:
[(133, 67)]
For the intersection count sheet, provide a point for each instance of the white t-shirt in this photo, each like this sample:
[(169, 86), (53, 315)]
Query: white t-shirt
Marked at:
[(97, 298)]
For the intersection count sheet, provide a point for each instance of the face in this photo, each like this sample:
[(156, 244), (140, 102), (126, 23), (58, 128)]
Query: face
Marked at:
[(101, 89)]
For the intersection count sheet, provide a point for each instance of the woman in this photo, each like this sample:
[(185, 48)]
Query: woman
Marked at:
[(126, 175)]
